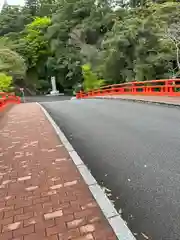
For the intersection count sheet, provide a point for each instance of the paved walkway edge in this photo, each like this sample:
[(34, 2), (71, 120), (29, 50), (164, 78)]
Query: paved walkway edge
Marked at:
[(140, 101), (118, 225)]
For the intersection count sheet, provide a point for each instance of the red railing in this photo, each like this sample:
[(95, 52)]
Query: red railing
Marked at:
[(165, 87), (6, 98)]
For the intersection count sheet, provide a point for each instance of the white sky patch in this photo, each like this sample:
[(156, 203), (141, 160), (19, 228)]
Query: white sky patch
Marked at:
[(12, 2), (16, 2)]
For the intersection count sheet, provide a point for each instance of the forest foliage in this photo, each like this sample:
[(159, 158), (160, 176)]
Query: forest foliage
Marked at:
[(89, 42)]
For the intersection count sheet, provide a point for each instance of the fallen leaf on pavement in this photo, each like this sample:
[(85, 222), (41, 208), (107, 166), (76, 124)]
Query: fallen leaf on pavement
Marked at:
[(145, 236)]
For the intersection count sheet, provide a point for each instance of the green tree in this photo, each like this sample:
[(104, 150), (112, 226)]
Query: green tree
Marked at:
[(48, 7), (91, 80), (10, 61), (173, 34), (41, 8), (135, 49), (12, 20), (33, 46), (5, 82), (66, 53), (32, 6), (35, 43), (121, 40)]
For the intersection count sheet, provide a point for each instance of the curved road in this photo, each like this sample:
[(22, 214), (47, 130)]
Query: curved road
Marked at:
[(133, 149)]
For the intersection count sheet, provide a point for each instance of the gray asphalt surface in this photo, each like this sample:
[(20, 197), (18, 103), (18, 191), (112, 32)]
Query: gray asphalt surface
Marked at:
[(46, 98), (134, 150)]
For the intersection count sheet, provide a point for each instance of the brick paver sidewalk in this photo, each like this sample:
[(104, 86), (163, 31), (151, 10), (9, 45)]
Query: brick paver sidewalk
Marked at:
[(42, 195)]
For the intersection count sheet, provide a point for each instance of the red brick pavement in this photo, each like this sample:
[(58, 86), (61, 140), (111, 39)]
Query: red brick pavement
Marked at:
[(42, 195)]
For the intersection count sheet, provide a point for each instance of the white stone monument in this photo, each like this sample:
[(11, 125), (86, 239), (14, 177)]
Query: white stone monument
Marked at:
[(54, 91)]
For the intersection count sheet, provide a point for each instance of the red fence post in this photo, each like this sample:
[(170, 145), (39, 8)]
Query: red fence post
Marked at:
[(162, 90), (149, 90), (170, 87), (77, 95), (166, 87), (133, 88), (145, 90), (80, 94)]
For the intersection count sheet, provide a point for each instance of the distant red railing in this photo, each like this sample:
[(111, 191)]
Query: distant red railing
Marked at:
[(6, 98), (165, 87)]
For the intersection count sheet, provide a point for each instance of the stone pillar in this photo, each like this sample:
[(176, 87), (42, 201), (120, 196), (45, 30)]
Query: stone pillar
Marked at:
[(54, 89)]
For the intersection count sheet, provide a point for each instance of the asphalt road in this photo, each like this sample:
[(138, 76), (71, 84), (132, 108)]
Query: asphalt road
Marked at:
[(44, 98), (134, 150)]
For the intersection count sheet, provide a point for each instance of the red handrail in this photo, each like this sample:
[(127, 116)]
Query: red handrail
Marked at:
[(162, 87), (6, 98)]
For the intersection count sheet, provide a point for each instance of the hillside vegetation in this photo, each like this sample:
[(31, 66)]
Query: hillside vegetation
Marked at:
[(87, 43)]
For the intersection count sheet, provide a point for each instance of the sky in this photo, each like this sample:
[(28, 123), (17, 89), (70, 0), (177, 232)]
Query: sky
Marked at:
[(15, 2)]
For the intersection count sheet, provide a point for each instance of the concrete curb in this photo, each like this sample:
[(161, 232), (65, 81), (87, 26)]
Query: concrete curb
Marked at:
[(140, 101), (118, 225)]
